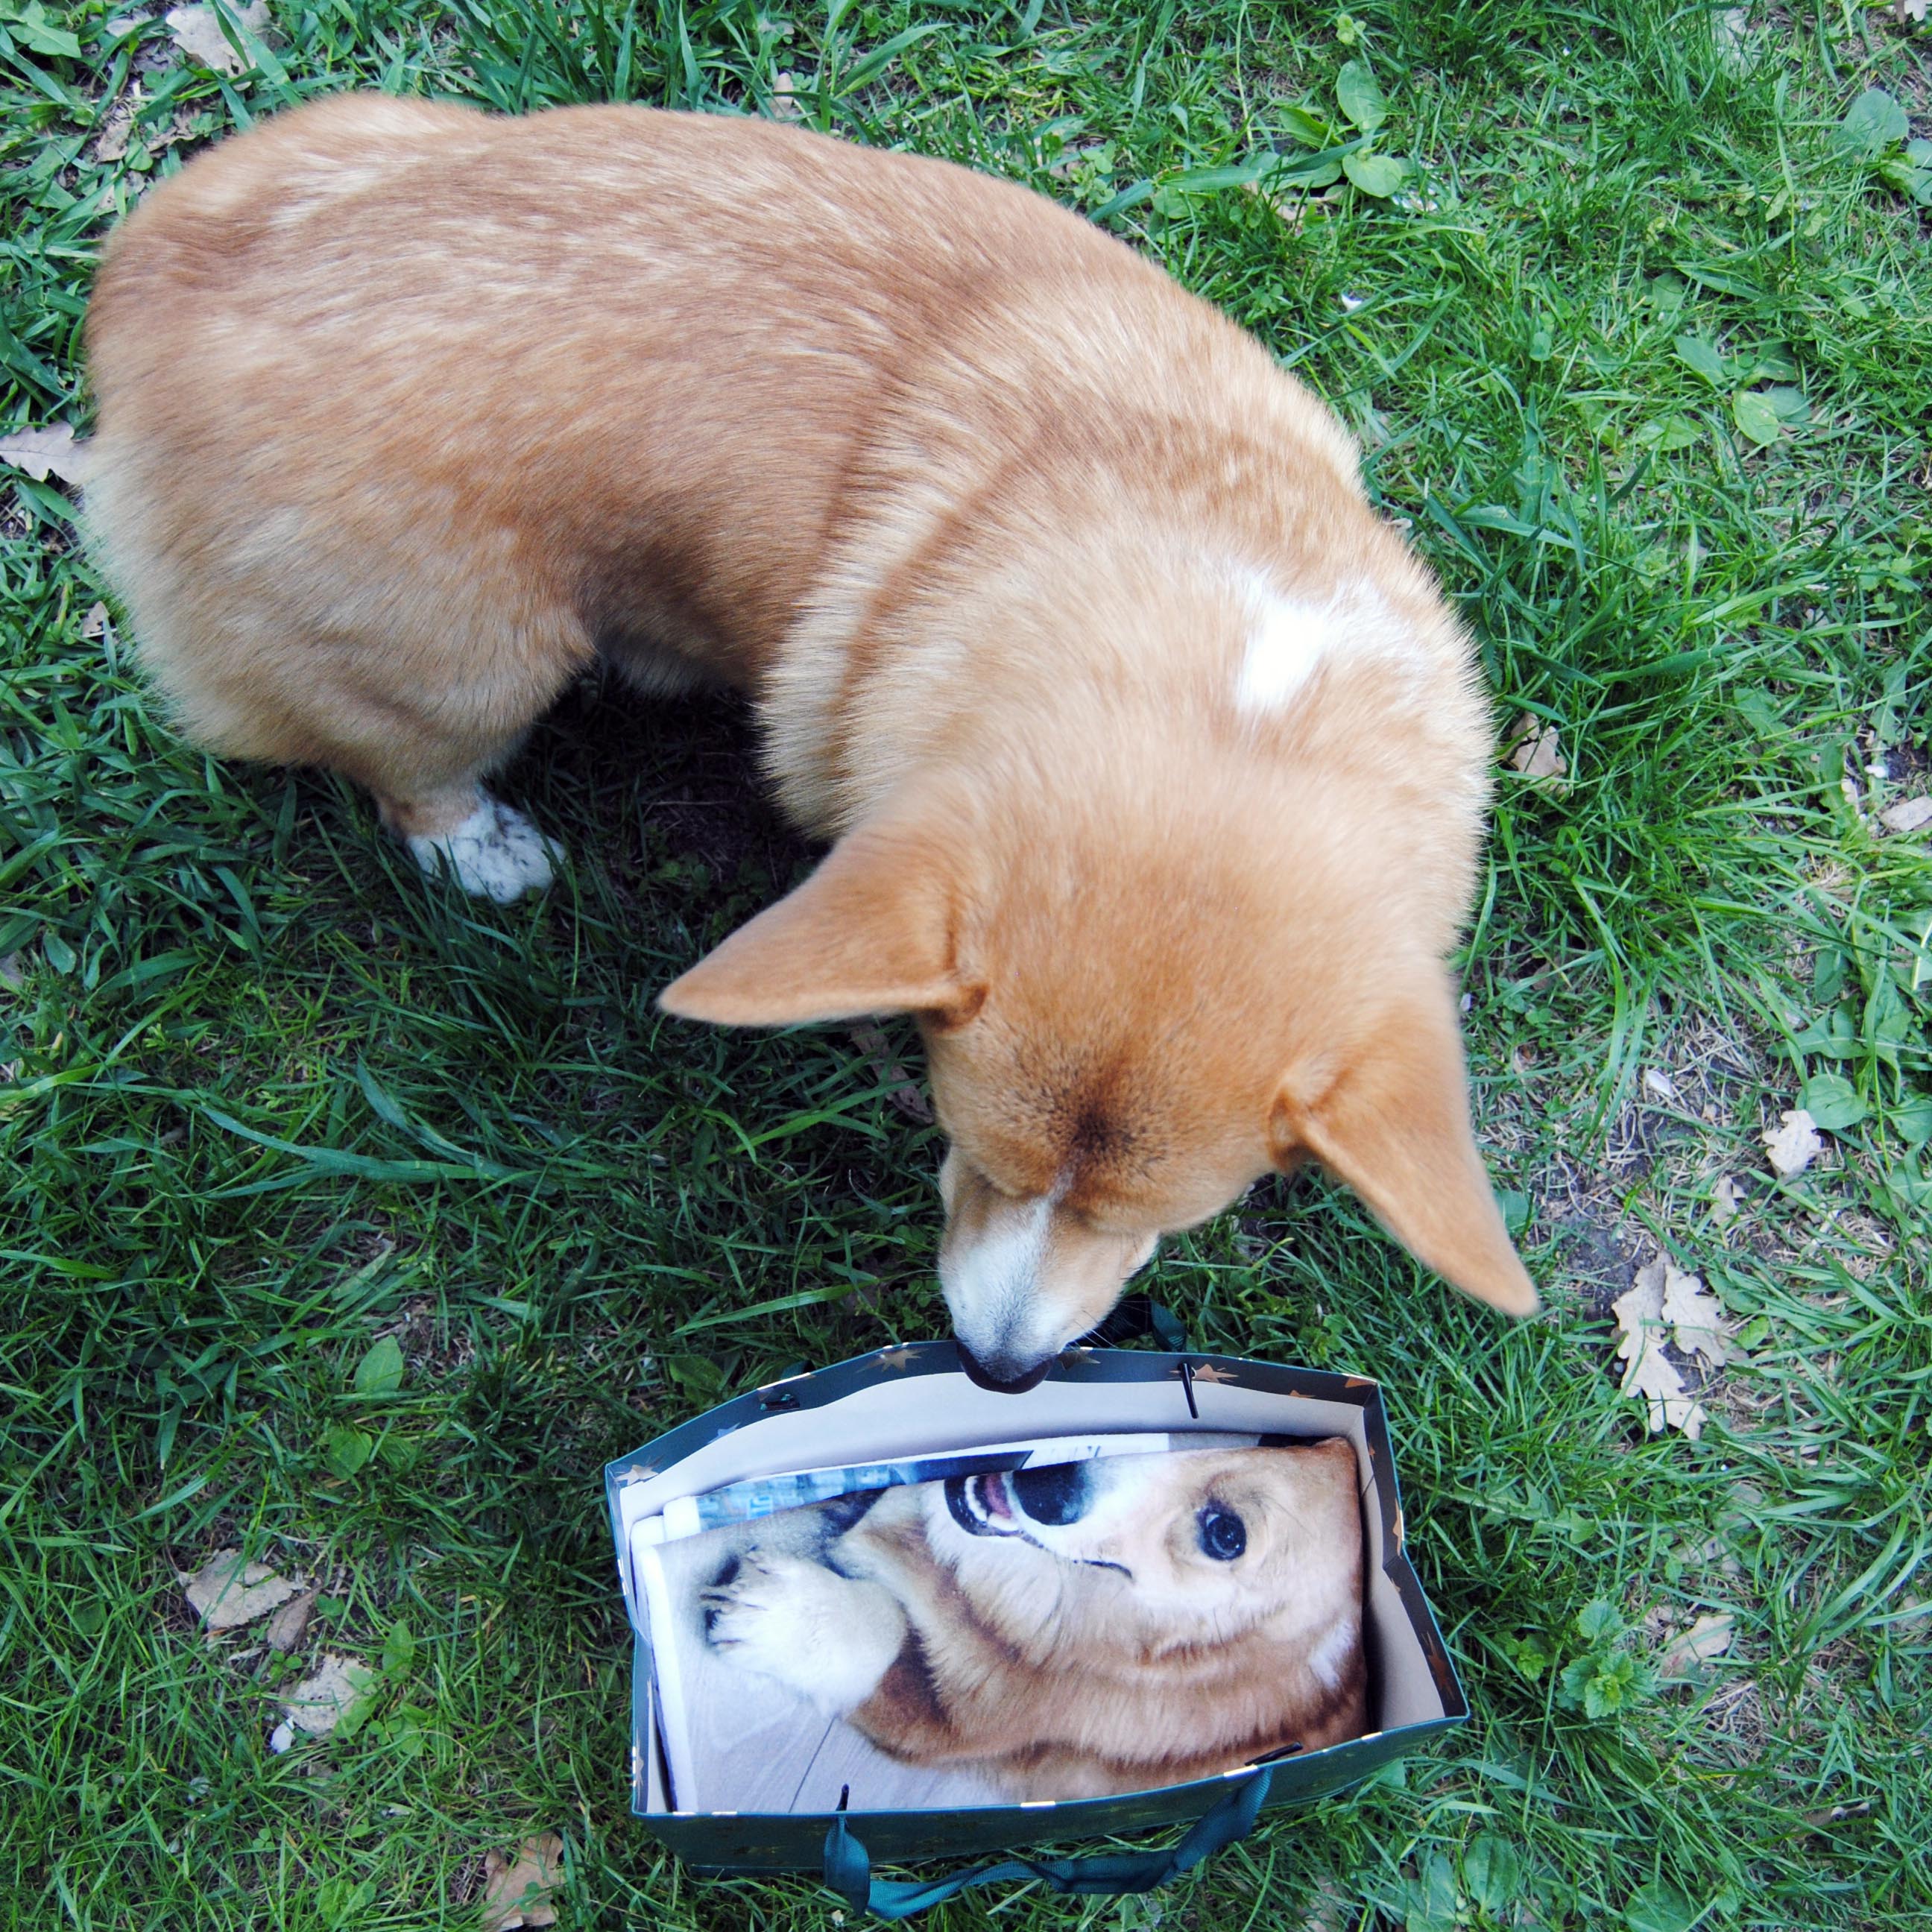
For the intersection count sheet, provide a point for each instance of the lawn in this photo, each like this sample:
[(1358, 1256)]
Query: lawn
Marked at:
[(1631, 307)]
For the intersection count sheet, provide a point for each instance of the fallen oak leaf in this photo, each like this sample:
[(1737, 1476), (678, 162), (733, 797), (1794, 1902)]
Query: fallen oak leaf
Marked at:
[(290, 1624), (1709, 1636), (1730, 36), (116, 126), (1832, 1814), (905, 1095), (1290, 210), (1696, 1320), (1908, 815), (1652, 1374), (318, 1705), (1794, 1144), (1726, 1197), (42, 452), (518, 1895), (786, 105), (1535, 750), (227, 1592), (196, 31)]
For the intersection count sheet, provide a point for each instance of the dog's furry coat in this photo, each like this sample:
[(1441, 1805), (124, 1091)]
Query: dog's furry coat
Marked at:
[(1105, 1653), (1156, 762)]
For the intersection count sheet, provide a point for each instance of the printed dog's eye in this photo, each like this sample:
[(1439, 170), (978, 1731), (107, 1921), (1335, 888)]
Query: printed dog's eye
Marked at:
[(1223, 1534)]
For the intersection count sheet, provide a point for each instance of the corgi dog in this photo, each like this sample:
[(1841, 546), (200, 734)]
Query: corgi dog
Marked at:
[(1080, 1629), (1152, 763)]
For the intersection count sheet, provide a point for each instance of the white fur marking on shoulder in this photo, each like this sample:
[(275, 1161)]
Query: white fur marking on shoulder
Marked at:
[(1289, 638), (1327, 1657), (495, 854)]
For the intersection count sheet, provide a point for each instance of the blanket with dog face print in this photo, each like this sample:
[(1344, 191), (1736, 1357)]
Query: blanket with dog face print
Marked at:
[(1075, 1630)]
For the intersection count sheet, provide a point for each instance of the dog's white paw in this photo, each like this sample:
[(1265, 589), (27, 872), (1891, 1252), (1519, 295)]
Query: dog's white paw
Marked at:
[(829, 1637), (495, 854)]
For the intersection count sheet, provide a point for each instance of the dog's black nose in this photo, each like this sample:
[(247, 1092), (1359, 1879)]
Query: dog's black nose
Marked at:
[(999, 1375), (1055, 1494)]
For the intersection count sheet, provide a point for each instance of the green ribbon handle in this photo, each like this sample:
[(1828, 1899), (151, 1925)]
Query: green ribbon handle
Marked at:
[(848, 1866)]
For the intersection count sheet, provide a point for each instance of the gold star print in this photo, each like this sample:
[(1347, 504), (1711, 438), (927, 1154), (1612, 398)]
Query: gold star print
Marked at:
[(1208, 1373), (636, 1474), (895, 1358)]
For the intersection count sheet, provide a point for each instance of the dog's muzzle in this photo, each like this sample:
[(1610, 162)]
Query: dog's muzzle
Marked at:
[(988, 1376)]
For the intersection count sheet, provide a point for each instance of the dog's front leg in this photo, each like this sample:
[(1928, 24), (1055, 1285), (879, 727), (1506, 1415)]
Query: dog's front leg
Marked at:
[(829, 1638)]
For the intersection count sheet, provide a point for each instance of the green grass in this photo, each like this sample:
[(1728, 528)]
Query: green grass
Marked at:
[(269, 1096)]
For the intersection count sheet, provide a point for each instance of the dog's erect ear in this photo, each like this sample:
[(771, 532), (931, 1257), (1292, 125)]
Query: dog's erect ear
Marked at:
[(870, 931), (1394, 1122)]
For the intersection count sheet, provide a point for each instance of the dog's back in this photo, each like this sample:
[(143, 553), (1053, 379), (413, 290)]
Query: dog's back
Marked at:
[(500, 394)]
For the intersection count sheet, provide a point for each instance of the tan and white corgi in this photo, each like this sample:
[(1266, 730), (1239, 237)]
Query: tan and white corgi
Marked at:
[(1082, 1628), (1154, 763)]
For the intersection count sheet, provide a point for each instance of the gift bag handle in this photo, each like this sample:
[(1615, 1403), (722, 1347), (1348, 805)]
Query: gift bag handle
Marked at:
[(848, 1868), (1133, 1316)]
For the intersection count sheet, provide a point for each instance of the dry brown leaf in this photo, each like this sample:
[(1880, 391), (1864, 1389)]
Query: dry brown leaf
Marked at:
[(786, 106), (1908, 815), (290, 1624), (94, 624), (317, 1704), (197, 31), (117, 127), (1290, 210), (40, 453), (228, 1592), (1657, 1081), (1730, 38), (905, 1095), (1696, 1321), (1651, 1373), (1832, 1814), (1794, 1144), (1330, 1908), (1709, 1636), (1726, 1197), (518, 1894), (1535, 750), (181, 128)]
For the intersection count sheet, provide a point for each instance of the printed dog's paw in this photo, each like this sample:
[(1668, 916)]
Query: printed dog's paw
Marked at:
[(825, 1636), (495, 854), (752, 1613)]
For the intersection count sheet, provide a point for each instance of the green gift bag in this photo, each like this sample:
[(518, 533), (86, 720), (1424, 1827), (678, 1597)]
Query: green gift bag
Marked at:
[(915, 1400)]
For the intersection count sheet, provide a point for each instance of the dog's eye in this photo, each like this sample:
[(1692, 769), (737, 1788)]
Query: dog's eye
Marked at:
[(1223, 1534)]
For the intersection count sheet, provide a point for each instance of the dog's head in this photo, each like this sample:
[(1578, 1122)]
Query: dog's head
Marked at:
[(1151, 1558), (1134, 1006)]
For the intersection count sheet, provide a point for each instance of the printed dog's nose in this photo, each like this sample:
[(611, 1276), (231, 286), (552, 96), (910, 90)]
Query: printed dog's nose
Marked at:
[(1054, 1496), (1007, 1374)]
